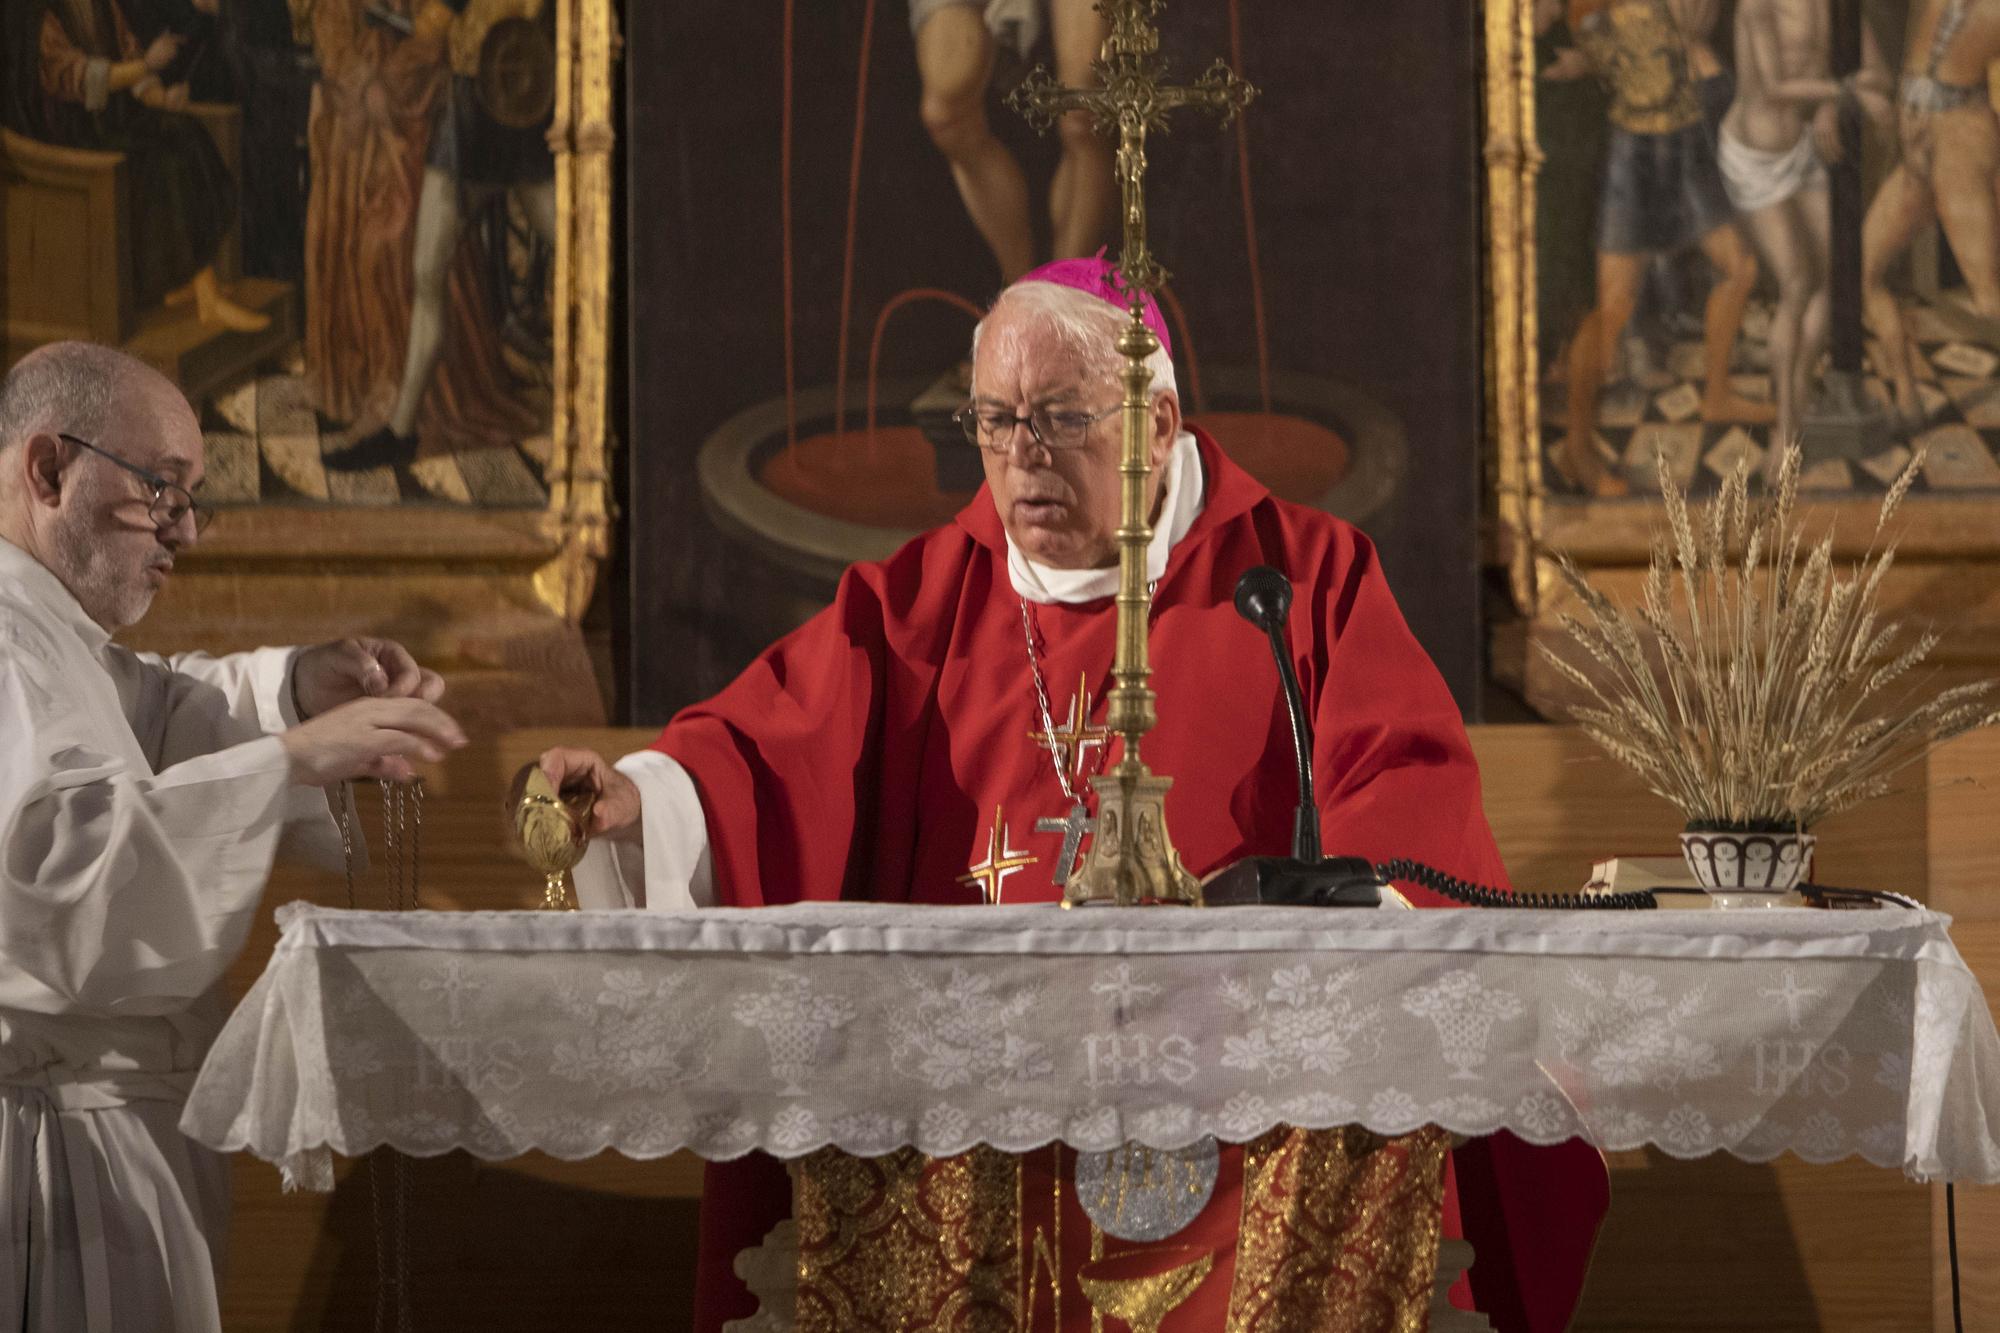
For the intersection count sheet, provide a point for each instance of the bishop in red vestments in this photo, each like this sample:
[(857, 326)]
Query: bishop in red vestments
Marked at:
[(926, 737)]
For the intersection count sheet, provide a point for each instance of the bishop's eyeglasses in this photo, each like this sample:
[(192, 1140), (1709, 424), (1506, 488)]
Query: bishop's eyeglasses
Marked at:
[(170, 501), (993, 430)]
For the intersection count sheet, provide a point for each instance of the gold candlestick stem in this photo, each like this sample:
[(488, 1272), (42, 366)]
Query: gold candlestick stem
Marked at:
[(1132, 857)]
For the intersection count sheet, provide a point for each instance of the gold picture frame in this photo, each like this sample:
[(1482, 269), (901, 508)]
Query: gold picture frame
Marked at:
[(1510, 362), (1533, 524), (554, 546), (1948, 570), (579, 518)]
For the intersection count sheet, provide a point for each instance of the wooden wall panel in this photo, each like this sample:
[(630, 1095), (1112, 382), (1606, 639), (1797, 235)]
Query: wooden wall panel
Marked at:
[(1718, 1244)]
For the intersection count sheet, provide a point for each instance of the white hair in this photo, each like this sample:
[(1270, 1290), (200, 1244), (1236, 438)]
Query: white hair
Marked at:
[(64, 387), (1085, 325)]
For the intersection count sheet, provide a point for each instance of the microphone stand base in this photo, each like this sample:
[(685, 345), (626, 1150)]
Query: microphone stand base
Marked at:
[(1284, 881)]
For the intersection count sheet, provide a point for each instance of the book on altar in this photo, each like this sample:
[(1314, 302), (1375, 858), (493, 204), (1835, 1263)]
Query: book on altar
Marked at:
[(1631, 874)]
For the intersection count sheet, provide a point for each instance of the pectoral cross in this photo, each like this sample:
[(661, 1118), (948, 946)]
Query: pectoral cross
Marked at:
[(1072, 742), (1072, 826)]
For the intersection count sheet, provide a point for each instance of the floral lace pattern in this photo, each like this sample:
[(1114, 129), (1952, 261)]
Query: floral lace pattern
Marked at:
[(963, 1031), (1301, 1023), (945, 1029)]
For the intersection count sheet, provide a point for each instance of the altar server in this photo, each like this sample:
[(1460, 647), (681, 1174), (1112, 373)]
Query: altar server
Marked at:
[(923, 739), (141, 802)]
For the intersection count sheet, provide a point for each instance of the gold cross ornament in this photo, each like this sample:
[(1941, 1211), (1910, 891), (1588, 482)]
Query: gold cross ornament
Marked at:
[(1072, 741), (1131, 98), (1002, 860)]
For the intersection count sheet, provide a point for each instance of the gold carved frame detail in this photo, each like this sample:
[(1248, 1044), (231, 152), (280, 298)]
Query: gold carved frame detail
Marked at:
[(578, 521), (1513, 407)]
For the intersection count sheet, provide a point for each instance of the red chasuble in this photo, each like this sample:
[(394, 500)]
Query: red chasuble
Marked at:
[(885, 751)]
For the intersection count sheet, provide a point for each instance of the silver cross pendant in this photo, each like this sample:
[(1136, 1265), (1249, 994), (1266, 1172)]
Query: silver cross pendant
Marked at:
[(1073, 826)]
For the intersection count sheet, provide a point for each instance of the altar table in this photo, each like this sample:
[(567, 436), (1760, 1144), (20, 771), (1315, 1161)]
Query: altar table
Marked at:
[(870, 1027)]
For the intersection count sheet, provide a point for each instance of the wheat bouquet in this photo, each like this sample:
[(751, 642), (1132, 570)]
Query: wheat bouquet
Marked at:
[(1758, 686)]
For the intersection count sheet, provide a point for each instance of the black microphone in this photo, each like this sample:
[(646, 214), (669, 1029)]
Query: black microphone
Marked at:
[(1264, 598)]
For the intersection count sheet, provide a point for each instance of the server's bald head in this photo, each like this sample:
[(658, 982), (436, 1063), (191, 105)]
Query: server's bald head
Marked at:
[(88, 438)]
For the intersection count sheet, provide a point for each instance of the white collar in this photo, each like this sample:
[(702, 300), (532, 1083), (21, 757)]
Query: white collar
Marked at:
[(42, 585), (1179, 507)]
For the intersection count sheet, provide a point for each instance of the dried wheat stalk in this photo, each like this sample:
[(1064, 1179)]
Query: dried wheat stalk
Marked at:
[(1767, 701)]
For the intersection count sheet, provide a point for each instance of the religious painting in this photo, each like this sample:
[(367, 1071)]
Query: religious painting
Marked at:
[(824, 198), (334, 223), (1716, 226)]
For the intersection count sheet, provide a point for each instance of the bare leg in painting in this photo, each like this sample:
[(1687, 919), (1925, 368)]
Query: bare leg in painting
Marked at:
[(1083, 196), (1721, 322), (1950, 162), (1901, 206), (438, 228), (1968, 159), (954, 62), (436, 241), (1792, 237), (1950, 158), (1591, 353)]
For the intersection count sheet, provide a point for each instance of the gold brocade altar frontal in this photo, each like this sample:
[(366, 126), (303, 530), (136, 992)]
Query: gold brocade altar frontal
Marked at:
[(1304, 1230)]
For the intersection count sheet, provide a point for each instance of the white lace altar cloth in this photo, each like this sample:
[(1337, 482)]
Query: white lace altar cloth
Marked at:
[(1827, 1034)]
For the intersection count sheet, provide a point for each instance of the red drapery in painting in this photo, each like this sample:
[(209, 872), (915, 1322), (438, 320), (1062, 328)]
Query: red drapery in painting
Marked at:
[(370, 128)]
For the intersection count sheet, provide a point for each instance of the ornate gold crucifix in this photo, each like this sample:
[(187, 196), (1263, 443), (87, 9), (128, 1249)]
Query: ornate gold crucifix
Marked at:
[(1132, 859)]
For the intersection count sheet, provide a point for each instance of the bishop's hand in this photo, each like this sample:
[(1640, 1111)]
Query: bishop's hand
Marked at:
[(331, 674), (370, 738), (574, 771)]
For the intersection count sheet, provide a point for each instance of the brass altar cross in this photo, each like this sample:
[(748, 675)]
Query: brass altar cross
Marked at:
[(1131, 99), (1132, 859), (1075, 737), (1002, 860)]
